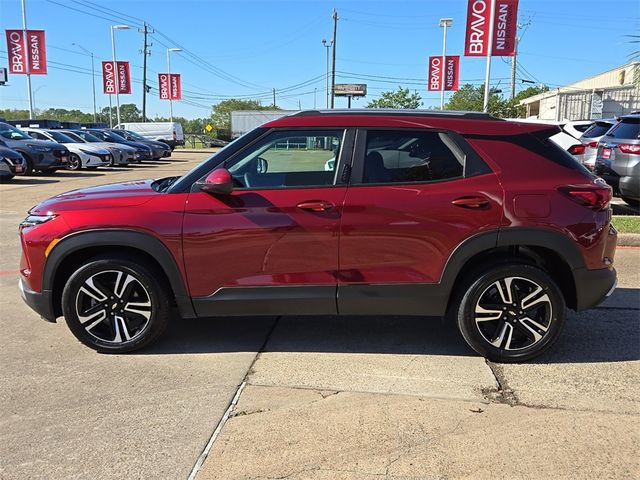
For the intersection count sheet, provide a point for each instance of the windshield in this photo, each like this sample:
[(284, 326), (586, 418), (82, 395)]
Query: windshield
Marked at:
[(60, 137), (108, 136), (12, 133), (86, 136), (75, 137), (134, 135)]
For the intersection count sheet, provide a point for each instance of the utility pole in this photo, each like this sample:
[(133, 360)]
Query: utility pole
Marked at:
[(24, 37), (333, 55), (145, 31), (274, 98)]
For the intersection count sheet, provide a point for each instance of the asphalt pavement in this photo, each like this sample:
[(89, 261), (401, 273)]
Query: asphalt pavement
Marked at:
[(317, 397)]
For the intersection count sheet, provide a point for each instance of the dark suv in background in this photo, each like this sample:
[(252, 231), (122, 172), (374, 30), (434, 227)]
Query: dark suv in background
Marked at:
[(41, 155), (618, 158), (352, 212)]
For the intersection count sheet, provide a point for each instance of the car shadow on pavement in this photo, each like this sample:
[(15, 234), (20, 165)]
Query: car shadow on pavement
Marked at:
[(29, 181), (624, 209), (606, 334)]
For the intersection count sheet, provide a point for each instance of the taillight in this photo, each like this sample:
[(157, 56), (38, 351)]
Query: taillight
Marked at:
[(606, 153), (592, 145), (628, 148), (577, 149), (596, 197)]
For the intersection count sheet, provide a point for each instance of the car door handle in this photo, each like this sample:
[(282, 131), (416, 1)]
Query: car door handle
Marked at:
[(316, 206), (471, 202)]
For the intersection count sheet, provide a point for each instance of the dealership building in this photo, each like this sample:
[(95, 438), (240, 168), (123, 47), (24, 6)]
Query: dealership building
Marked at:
[(608, 94)]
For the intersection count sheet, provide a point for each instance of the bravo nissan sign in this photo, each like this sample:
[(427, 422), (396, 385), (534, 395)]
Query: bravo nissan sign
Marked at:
[(109, 78), (26, 52), (449, 73), (504, 28), (169, 86)]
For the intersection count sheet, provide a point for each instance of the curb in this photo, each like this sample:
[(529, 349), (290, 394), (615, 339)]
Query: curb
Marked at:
[(629, 239)]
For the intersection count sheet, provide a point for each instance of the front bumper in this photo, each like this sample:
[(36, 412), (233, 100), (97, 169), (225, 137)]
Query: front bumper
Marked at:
[(40, 302)]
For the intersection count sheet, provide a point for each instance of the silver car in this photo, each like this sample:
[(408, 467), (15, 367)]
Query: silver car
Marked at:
[(590, 139), (618, 160)]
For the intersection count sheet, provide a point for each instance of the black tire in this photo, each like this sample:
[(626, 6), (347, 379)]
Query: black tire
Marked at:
[(631, 201), (513, 336), (28, 164), (115, 326), (75, 162), (92, 168), (6, 178)]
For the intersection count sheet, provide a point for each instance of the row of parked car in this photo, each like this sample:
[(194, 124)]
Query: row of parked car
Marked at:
[(26, 150)]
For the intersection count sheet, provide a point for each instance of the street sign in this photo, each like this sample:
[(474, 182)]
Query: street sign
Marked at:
[(208, 128)]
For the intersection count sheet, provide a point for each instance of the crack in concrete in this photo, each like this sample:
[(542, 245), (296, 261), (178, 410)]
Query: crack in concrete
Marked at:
[(502, 394)]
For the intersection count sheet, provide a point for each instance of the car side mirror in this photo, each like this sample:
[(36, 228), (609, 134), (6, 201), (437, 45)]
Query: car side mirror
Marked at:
[(218, 181)]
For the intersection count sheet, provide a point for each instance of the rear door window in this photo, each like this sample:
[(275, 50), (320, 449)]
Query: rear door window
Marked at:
[(401, 156)]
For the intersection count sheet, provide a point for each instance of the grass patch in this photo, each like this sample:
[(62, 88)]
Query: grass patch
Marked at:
[(626, 223)]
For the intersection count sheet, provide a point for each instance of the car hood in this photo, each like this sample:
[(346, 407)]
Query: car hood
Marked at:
[(8, 153), (113, 195), (33, 141)]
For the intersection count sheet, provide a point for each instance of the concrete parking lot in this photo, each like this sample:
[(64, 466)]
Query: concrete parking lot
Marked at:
[(322, 398)]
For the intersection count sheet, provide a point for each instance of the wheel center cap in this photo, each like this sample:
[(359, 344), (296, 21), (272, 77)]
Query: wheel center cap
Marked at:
[(114, 306)]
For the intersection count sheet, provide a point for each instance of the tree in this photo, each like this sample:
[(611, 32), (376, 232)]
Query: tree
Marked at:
[(471, 98), (400, 98), (221, 112)]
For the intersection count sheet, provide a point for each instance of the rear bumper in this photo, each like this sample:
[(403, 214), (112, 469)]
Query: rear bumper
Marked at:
[(593, 286), (40, 302)]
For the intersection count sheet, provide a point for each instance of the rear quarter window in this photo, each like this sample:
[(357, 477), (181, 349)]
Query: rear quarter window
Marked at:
[(626, 128), (597, 130)]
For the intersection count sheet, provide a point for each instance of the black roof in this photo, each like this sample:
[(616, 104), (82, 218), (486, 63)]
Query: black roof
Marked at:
[(398, 112)]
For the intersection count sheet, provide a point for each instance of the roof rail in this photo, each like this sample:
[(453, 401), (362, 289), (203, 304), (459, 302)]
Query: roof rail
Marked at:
[(398, 112)]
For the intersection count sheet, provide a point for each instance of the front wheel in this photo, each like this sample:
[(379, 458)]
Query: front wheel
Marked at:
[(115, 304), (75, 163), (510, 313)]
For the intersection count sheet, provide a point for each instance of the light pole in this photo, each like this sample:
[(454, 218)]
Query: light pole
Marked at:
[(169, 50), (327, 46), (444, 23), (115, 65), (34, 99), (93, 79)]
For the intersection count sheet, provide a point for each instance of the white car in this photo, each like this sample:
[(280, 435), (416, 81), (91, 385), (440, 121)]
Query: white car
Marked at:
[(590, 139), (83, 155), (168, 132), (569, 136), (122, 154)]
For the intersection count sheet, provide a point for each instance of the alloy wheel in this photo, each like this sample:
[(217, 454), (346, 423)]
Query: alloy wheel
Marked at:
[(513, 313), (113, 306)]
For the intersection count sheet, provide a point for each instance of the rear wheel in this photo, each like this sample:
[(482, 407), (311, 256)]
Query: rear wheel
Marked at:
[(510, 313), (75, 163), (116, 304)]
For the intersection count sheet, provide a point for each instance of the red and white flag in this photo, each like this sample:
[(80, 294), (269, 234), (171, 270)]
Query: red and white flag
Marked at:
[(27, 53), (170, 87), (109, 78), (447, 73), (504, 28)]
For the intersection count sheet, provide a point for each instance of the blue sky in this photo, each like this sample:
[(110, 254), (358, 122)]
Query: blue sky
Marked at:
[(238, 48)]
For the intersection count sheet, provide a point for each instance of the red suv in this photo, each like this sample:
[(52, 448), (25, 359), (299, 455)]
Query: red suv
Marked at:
[(337, 212)]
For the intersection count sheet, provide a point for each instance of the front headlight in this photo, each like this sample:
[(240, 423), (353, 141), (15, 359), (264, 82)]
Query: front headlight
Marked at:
[(32, 220), (39, 148)]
